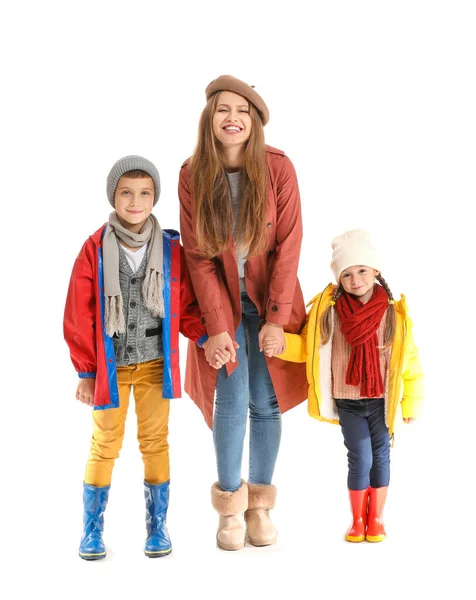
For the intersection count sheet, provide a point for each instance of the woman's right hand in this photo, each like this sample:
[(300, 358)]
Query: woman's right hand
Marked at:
[(222, 342)]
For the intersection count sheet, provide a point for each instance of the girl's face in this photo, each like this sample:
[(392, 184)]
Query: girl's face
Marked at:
[(359, 281), (232, 121), (133, 200)]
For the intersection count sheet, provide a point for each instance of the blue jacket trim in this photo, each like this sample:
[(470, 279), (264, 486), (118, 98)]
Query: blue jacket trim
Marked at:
[(108, 343), (167, 387), (202, 340), (86, 375)]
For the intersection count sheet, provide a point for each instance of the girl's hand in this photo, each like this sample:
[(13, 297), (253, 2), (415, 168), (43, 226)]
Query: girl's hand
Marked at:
[(225, 344), (270, 345), (275, 334), (221, 357), (409, 420), (85, 391)]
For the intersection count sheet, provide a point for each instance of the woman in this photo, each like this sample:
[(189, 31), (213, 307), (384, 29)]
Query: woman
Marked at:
[(241, 229)]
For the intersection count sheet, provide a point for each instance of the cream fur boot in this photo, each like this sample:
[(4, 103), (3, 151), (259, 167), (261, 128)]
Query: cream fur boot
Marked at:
[(261, 499), (230, 506)]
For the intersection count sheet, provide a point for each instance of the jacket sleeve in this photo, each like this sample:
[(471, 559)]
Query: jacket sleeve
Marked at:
[(296, 346), (412, 376), (79, 324), (283, 278), (190, 324), (202, 270)]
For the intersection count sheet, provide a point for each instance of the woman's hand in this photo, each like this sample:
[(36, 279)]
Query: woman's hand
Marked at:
[(219, 349), (409, 420), (85, 391), (271, 339)]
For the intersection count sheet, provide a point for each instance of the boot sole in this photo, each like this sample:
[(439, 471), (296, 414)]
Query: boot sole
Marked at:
[(92, 556), (354, 538), (259, 543), (231, 547), (157, 554), (375, 538)]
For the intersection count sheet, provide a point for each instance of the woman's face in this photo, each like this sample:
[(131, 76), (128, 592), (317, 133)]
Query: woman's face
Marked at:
[(232, 121)]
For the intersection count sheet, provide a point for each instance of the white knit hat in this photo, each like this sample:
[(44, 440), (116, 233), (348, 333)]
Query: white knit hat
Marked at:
[(353, 248)]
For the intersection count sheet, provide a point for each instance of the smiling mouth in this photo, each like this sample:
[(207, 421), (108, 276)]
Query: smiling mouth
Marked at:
[(135, 212), (232, 129)]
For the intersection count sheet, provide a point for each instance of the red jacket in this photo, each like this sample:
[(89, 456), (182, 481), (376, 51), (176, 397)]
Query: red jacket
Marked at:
[(92, 350), (271, 282)]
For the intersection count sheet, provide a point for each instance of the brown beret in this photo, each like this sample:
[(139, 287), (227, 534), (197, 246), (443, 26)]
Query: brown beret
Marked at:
[(227, 83)]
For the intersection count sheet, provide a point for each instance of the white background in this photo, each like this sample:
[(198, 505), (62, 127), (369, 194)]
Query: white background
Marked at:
[(374, 102)]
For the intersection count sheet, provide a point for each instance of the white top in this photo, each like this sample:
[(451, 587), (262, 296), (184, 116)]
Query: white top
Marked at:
[(135, 258)]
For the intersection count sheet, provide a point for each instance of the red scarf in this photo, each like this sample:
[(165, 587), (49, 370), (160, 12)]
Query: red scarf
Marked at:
[(359, 324)]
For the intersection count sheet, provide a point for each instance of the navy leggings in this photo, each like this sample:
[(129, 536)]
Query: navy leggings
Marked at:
[(367, 441)]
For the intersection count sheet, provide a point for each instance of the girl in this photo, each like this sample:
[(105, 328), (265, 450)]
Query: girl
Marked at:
[(362, 368), (241, 229)]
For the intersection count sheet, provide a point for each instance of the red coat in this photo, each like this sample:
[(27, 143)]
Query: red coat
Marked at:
[(271, 282), (92, 350)]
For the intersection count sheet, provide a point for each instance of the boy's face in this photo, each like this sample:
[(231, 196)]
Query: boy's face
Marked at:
[(133, 200)]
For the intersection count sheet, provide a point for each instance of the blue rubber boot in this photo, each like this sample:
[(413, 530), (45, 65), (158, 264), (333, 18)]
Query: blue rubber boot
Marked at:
[(157, 502), (94, 499)]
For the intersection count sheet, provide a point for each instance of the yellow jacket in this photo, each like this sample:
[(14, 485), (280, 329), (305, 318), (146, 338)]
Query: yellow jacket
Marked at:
[(404, 390)]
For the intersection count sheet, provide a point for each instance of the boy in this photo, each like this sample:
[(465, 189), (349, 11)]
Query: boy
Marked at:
[(128, 297)]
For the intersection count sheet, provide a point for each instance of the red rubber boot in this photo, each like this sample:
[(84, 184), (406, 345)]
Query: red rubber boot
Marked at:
[(375, 527), (358, 505)]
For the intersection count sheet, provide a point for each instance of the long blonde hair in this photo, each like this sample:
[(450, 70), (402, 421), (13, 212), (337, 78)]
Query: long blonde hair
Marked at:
[(390, 321), (211, 192)]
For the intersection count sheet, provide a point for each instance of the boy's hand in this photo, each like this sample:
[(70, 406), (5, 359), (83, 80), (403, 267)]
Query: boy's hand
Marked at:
[(271, 340), (221, 357), (220, 348), (85, 391), (409, 420)]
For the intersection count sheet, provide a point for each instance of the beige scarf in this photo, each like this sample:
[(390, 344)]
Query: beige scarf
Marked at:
[(154, 278)]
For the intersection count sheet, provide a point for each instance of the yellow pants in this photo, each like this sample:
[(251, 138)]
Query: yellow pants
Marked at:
[(152, 426)]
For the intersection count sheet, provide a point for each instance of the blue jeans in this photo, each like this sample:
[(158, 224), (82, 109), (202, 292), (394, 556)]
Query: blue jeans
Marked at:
[(250, 386), (367, 440)]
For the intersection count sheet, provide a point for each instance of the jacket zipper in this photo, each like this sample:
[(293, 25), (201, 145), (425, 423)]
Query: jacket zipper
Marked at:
[(400, 366), (314, 350)]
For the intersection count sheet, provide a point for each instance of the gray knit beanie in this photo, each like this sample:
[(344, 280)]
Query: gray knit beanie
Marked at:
[(131, 163)]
